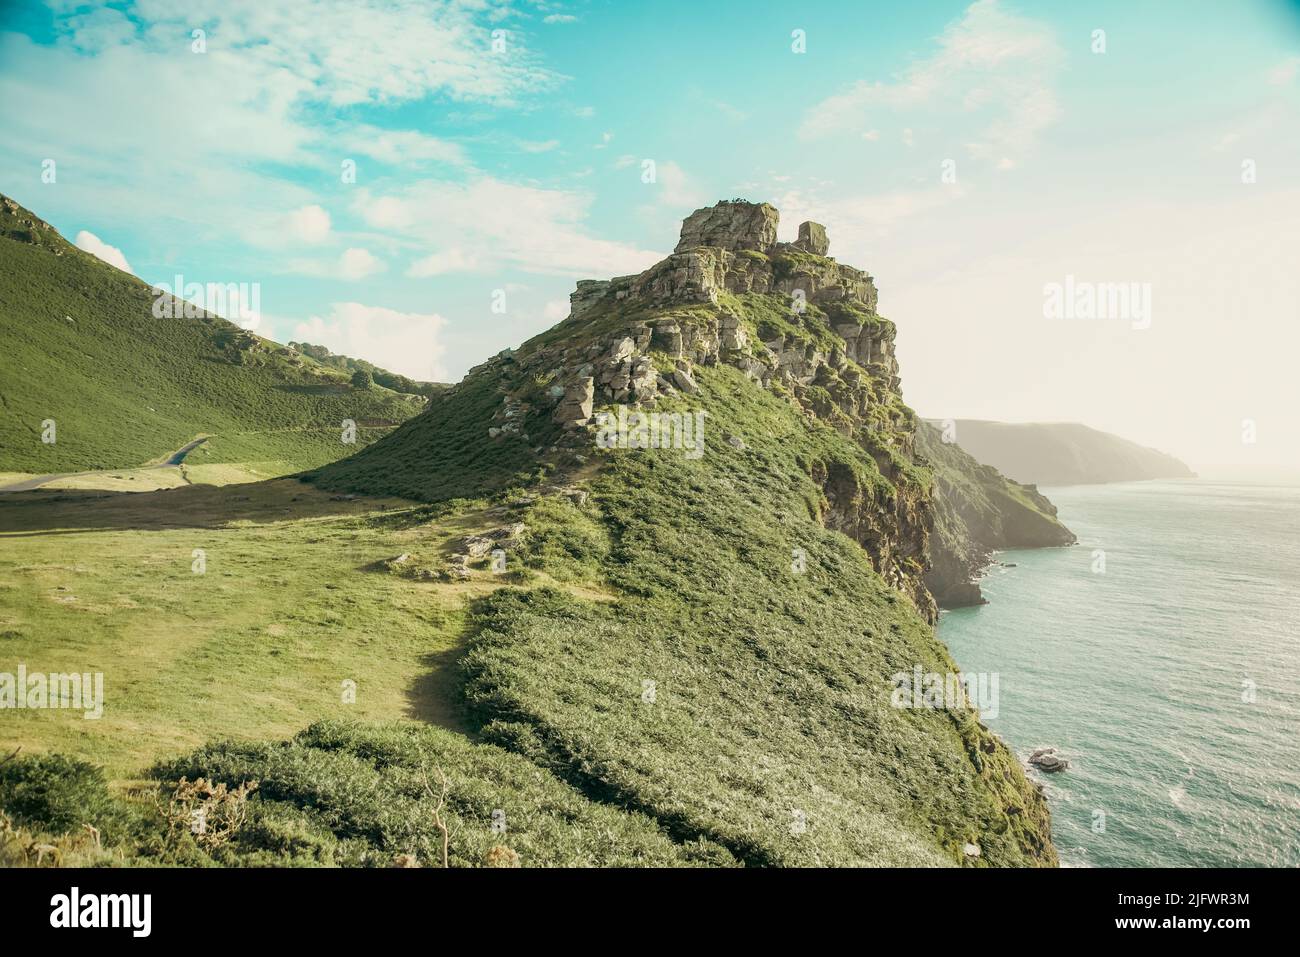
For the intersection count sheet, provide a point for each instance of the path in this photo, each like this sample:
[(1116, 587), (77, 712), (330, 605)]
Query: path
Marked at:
[(174, 458)]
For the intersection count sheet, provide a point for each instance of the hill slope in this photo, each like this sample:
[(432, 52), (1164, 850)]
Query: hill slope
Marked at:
[(84, 349), (767, 585), (978, 511), (1064, 453)]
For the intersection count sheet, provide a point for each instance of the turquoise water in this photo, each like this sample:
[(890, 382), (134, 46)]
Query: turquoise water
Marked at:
[(1138, 674)]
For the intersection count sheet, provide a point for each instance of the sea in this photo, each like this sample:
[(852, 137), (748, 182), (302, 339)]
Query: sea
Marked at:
[(1161, 657)]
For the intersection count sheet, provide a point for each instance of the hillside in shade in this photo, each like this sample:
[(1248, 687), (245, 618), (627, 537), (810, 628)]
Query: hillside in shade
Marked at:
[(1063, 453)]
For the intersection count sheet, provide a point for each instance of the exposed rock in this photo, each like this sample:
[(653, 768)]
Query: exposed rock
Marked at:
[(574, 410), (1048, 759), (812, 238), (682, 379), (731, 225), (589, 292)]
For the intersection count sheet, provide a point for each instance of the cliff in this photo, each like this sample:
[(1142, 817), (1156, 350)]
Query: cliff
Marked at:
[(721, 530), (978, 511)]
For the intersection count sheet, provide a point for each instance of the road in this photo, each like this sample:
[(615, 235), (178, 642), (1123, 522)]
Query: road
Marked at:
[(175, 458)]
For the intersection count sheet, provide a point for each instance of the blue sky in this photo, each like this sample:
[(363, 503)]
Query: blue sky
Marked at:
[(521, 169)]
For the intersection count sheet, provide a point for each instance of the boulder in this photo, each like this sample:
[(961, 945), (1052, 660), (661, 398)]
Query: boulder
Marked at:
[(574, 410), (812, 239), (1048, 759)]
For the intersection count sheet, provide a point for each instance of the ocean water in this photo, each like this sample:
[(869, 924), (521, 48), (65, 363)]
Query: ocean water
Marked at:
[(1170, 679)]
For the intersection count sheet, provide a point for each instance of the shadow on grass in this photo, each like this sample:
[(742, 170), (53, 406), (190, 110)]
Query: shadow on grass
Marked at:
[(61, 511)]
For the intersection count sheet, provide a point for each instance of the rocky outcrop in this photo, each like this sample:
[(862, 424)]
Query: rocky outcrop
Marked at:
[(791, 320), (730, 225), (812, 239), (802, 326)]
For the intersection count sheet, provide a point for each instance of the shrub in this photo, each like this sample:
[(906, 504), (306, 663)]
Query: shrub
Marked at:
[(54, 793)]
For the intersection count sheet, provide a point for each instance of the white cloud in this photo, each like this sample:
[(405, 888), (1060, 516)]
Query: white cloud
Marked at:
[(448, 261), (271, 93), (404, 146), (993, 68), (1285, 72), (404, 342), (353, 264), (559, 18), (358, 264), (543, 146), (493, 224), (555, 310), (92, 244), (676, 189), (310, 224)]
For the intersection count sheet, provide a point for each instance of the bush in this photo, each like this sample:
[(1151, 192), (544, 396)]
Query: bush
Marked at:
[(58, 794), (362, 380)]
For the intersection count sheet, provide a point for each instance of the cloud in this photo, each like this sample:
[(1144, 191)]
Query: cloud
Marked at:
[(265, 110), (495, 224), (544, 146), (857, 224), (993, 68), (559, 18), (1285, 72), (676, 189), (352, 264), (397, 147), (555, 310), (92, 244), (358, 264), (310, 224), (404, 342), (448, 261)]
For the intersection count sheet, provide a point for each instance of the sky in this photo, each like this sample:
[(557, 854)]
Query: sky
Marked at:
[(391, 175)]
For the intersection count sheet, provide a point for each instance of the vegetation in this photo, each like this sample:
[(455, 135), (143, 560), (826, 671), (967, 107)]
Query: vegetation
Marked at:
[(84, 350), (389, 380), (683, 666)]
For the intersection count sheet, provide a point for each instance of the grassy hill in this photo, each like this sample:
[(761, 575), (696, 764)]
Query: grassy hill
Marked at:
[(84, 349), (635, 655)]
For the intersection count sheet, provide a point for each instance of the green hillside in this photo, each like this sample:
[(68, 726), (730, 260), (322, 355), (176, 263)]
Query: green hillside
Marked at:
[(680, 651), (978, 511), (772, 686), (83, 348)]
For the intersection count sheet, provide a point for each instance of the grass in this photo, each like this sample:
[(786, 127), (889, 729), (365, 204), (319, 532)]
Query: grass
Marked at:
[(256, 646), (771, 688), (654, 679), (124, 387)]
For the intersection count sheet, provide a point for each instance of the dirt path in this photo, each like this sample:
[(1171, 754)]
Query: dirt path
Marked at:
[(175, 458)]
